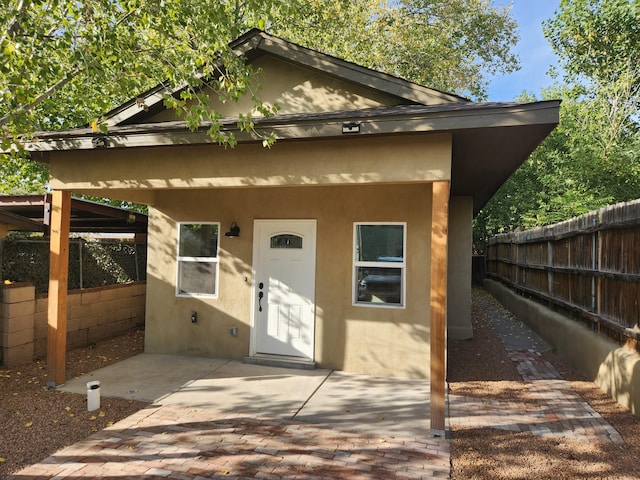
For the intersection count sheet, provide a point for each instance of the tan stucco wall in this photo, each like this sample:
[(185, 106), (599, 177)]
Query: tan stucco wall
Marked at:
[(380, 341), (459, 268), (352, 160), (296, 89)]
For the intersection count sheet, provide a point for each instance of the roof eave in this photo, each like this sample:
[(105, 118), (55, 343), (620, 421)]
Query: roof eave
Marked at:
[(176, 133)]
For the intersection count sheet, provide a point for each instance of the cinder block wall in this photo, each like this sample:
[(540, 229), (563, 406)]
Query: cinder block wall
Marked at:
[(16, 323), (92, 314)]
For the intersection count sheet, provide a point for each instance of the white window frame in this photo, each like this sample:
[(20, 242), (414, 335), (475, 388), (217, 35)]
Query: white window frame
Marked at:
[(402, 266), (184, 259)]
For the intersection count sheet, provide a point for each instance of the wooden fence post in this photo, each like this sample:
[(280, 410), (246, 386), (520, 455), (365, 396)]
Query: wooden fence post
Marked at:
[(591, 266), (599, 281), (550, 271)]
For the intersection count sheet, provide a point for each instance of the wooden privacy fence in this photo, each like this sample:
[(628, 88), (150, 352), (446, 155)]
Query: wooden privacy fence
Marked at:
[(588, 266)]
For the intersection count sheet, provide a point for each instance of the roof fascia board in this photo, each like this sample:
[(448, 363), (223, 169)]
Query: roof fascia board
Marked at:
[(150, 99), (178, 134), (105, 211), (22, 200)]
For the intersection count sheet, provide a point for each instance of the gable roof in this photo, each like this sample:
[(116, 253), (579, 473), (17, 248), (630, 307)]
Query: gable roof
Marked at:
[(489, 140), (256, 43)]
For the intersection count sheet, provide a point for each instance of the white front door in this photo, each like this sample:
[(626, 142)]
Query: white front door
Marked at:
[(284, 256)]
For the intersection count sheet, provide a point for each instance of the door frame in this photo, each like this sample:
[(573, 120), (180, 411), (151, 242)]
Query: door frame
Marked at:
[(253, 342)]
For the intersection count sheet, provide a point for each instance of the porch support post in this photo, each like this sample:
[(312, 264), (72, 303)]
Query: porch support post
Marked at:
[(58, 286), (438, 303)]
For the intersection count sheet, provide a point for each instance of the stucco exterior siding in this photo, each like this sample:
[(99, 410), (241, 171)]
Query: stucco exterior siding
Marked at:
[(459, 268), (342, 161), (379, 341), (295, 89)]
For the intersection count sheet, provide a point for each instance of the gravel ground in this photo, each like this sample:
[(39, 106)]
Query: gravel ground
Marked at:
[(481, 368), (35, 422)]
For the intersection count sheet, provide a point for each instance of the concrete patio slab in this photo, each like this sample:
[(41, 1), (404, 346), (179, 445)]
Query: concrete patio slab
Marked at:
[(378, 405), (213, 418), (239, 388), (146, 377)]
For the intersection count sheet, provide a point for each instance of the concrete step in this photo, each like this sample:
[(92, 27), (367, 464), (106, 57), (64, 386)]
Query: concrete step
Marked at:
[(282, 362)]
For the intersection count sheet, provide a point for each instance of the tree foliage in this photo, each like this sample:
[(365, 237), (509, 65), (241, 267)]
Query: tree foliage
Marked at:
[(64, 63), (451, 46), (598, 42), (592, 158)]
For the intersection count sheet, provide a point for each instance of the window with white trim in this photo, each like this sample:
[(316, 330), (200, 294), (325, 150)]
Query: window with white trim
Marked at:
[(379, 264), (198, 260)]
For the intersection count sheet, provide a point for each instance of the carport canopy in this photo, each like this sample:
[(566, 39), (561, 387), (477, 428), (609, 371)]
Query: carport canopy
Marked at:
[(32, 213)]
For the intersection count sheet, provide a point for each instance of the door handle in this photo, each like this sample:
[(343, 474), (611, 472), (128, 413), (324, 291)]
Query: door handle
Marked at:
[(260, 295)]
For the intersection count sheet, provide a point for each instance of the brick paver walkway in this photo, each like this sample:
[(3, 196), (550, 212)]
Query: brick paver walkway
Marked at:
[(171, 442), (559, 411)]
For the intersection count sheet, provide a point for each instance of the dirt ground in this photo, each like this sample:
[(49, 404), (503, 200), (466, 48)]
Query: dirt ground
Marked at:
[(481, 367), (35, 421)]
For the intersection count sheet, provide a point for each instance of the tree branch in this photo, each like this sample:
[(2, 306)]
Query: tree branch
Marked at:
[(40, 98), (14, 23)]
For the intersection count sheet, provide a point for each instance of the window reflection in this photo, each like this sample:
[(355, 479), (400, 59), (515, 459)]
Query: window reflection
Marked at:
[(379, 263), (379, 285)]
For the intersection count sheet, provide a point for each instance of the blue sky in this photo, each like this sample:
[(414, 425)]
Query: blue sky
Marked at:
[(533, 49)]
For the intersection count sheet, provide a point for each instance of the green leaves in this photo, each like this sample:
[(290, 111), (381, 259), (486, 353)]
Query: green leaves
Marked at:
[(577, 169), (64, 63), (598, 42), (597, 39), (450, 46), (20, 175)]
